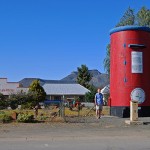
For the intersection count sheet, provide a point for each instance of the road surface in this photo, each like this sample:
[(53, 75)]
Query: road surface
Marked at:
[(104, 134)]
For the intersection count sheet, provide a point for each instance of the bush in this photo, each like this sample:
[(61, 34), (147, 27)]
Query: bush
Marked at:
[(13, 104), (26, 118), (42, 117), (5, 118), (28, 105), (2, 112)]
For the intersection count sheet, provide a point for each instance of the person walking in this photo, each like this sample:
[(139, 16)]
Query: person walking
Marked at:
[(99, 103)]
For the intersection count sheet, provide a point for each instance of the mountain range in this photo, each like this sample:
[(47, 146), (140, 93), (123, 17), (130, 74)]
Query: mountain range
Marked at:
[(98, 79)]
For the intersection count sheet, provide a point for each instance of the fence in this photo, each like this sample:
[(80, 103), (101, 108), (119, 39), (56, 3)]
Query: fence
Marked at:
[(83, 113)]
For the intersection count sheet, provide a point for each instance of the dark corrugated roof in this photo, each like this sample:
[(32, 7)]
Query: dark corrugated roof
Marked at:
[(27, 81)]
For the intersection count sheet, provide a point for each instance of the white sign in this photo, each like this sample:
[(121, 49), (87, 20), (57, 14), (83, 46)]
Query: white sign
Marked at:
[(136, 62), (138, 95)]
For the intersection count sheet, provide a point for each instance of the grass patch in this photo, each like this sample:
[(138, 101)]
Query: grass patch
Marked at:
[(50, 113)]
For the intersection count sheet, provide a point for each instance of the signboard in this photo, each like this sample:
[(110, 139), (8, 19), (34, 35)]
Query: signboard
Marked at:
[(136, 62)]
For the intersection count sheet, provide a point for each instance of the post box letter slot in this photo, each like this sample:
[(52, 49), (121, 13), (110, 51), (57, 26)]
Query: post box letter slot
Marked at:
[(136, 46)]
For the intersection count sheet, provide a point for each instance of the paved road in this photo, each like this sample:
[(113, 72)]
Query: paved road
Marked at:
[(96, 143), (106, 134)]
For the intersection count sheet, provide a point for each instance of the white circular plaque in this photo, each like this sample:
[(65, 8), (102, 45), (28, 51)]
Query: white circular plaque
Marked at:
[(138, 95)]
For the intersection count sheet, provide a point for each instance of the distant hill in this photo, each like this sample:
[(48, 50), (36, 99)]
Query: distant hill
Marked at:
[(98, 79), (27, 81)]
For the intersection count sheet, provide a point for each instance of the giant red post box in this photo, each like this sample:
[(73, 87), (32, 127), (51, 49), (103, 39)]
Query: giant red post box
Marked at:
[(130, 70)]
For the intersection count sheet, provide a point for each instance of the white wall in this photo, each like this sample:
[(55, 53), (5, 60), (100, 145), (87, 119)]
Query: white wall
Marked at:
[(7, 88)]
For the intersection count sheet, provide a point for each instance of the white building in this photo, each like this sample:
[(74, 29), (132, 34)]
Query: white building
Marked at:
[(7, 88), (55, 90)]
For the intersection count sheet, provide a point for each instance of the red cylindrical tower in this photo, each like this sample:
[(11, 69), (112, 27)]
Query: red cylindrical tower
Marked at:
[(129, 69)]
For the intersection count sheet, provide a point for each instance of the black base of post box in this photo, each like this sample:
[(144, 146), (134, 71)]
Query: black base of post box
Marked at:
[(124, 112)]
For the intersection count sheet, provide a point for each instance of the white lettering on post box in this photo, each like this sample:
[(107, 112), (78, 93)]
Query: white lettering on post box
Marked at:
[(136, 62)]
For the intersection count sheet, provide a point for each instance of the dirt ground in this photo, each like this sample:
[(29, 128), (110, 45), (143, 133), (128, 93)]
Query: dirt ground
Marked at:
[(106, 126), (108, 133)]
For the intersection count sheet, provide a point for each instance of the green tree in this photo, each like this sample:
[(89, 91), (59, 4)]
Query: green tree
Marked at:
[(84, 76), (89, 96), (2, 97), (21, 98), (128, 18), (143, 17), (3, 102), (18, 98), (37, 90), (107, 60)]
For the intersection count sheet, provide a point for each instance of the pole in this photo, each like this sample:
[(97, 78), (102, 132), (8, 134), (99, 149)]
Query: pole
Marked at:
[(133, 110), (63, 107)]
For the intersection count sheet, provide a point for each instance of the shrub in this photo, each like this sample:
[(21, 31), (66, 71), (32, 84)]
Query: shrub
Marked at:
[(13, 104), (42, 117), (2, 112), (5, 118), (26, 118), (28, 105)]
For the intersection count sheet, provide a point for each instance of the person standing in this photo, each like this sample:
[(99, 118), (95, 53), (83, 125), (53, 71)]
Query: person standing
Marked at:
[(99, 103)]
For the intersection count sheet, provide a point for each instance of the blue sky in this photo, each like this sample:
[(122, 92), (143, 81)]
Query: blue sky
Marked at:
[(49, 39)]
